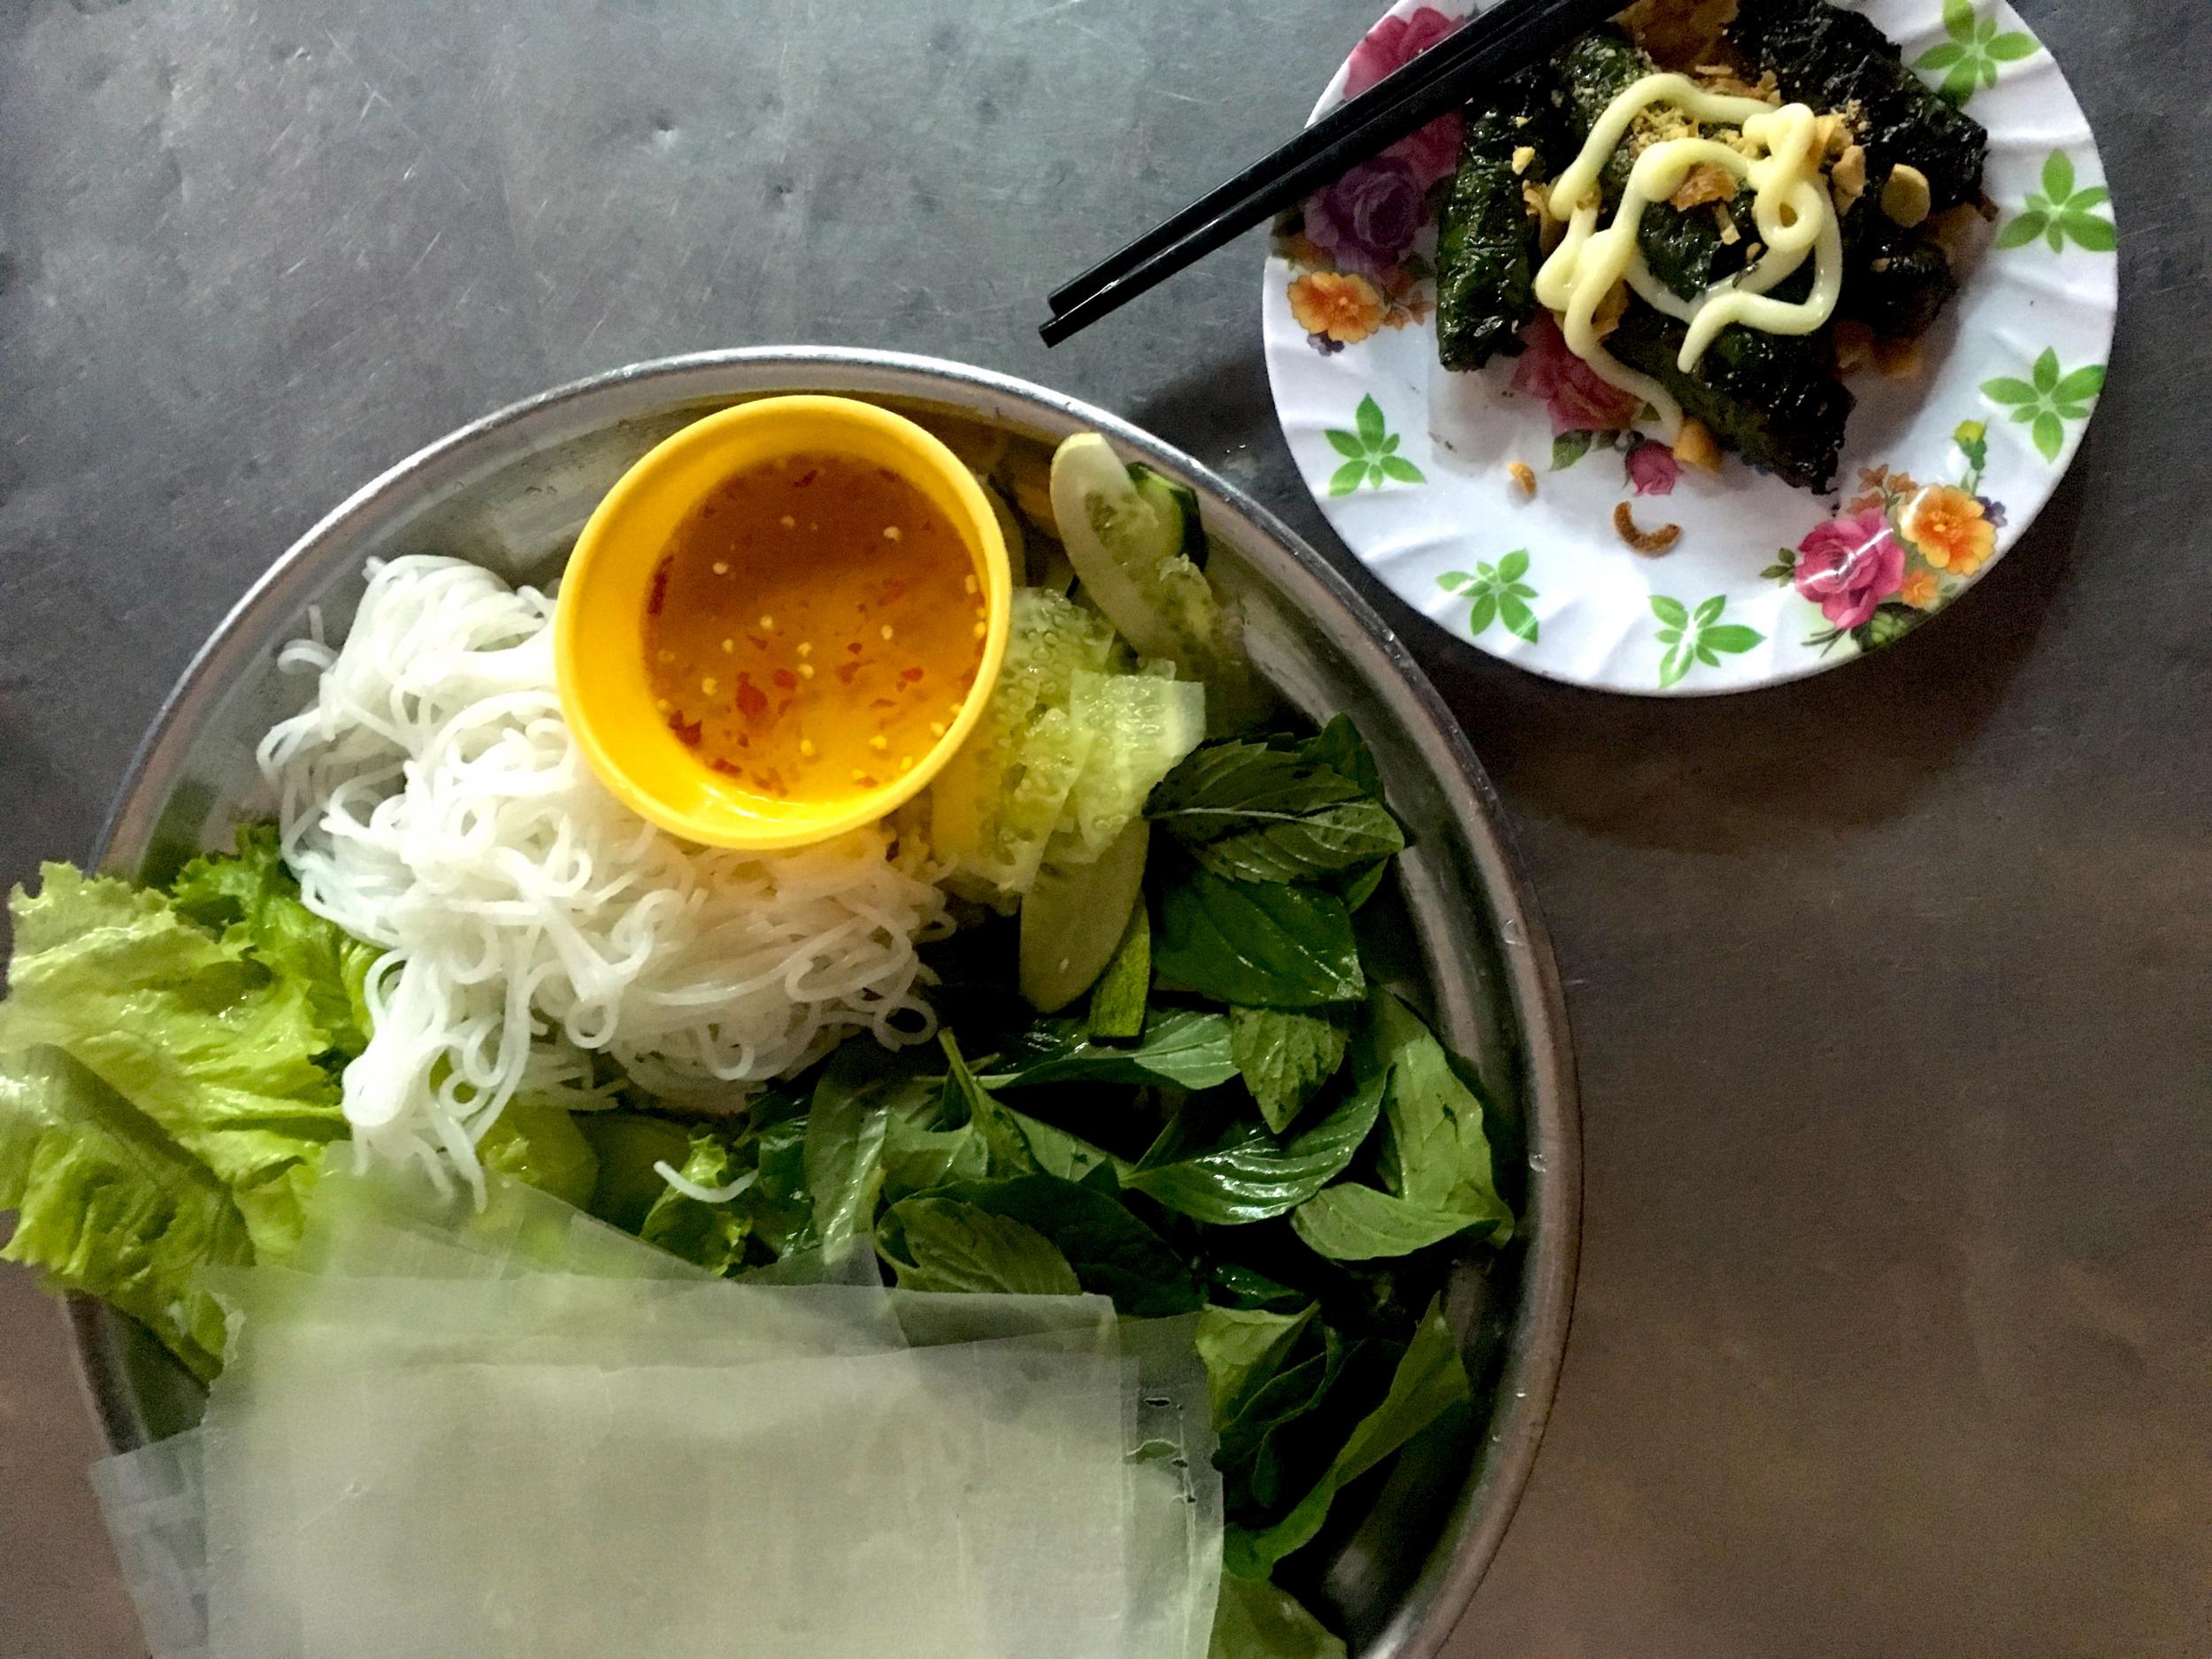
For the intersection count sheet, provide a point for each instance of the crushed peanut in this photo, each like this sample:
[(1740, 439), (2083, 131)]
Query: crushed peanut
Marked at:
[(1523, 156), (1523, 475), (1729, 234), (1905, 196), (1695, 446), (1650, 543), (1846, 180), (1706, 183)]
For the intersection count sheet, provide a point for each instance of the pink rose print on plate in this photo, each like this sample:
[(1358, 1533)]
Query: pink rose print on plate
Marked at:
[(1577, 399), (1849, 565), (1431, 153), (1652, 469), (1367, 220)]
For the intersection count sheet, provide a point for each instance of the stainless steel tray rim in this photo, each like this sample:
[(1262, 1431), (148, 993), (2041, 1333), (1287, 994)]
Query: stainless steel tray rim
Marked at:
[(1536, 1344)]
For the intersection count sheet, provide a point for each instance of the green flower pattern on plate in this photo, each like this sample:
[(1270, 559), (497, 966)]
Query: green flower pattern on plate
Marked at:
[(1498, 594), (2047, 400), (1697, 636), (2059, 213), (1968, 61), (1371, 450)]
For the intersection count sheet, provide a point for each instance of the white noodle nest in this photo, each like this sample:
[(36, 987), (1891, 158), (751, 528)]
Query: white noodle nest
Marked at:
[(432, 803)]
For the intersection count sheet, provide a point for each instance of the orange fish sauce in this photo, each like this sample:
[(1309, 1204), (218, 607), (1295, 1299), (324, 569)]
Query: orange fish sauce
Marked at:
[(814, 628)]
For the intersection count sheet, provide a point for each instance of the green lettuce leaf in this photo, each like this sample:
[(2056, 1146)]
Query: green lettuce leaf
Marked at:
[(108, 1204), (249, 898), (543, 1146), (193, 1030), (1429, 1381), (712, 1235)]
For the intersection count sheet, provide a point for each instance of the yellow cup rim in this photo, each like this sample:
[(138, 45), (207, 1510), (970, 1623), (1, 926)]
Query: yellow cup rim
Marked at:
[(587, 701)]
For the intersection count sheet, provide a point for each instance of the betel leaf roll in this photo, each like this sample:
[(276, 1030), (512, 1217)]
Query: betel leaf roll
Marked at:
[(1895, 281), (1592, 71), (1686, 249), (1774, 398), (1485, 241), (1834, 59)]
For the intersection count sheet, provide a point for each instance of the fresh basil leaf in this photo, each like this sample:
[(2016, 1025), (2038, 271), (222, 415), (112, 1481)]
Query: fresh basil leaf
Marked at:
[(843, 1157), (1262, 944), (780, 1204), (1182, 1047), (1234, 1285), (1361, 885), (1255, 1620), (1251, 812), (1016, 1144), (1285, 1057), (1113, 1253), (1352, 1223), (1119, 999), (1292, 1424), (916, 1158), (1441, 1153), (1242, 1348), (1249, 1175), (945, 1245), (1430, 1380)]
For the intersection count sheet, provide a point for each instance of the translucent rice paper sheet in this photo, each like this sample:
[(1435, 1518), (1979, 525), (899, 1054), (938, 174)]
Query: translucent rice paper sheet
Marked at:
[(285, 1321), (933, 1318), (1176, 1507), (956, 1502), (156, 1512), (392, 1221)]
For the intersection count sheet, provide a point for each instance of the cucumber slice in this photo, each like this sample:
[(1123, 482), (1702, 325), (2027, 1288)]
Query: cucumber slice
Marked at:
[(1074, 917), (1145, 725), (1127, 550), (1169, 497)]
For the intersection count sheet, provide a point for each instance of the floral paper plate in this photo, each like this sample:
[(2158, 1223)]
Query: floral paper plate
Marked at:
[(1940, 474)]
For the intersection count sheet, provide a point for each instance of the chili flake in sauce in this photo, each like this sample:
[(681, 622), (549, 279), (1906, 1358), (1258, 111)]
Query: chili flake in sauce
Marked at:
[(809, 624)]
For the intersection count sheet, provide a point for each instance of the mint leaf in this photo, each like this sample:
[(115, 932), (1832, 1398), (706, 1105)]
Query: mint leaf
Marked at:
[(1254, 813), (1284, 1058), (1264, 944)]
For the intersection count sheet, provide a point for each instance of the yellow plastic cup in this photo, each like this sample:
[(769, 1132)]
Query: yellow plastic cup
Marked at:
[(599, 623)]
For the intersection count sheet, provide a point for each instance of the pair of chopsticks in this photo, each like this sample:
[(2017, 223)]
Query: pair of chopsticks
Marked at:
[(1491, 44)]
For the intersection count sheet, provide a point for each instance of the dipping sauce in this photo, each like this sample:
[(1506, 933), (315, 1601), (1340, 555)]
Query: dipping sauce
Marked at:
[(814, 628)]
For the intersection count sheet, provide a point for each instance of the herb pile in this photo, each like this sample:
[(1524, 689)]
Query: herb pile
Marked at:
[(1245, 1123)]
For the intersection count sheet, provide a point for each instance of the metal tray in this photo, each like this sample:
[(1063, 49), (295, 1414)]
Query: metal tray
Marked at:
[(512, 489)]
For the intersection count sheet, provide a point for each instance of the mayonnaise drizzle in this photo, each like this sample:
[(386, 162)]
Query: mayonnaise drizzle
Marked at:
[(1790, 204)]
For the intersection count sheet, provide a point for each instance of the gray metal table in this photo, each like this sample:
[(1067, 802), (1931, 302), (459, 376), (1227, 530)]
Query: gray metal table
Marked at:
[(1896, 1328)]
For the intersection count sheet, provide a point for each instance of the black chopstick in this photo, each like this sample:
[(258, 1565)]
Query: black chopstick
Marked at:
[(1492, 45), (1324, 135)]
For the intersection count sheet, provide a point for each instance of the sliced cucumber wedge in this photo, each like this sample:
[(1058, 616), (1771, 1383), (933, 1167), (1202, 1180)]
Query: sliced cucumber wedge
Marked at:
[(1074, 917), (1127, 546), (1169, 497)]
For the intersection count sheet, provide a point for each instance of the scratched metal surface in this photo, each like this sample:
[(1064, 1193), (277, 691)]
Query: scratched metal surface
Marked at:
[(1895, 1327)]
